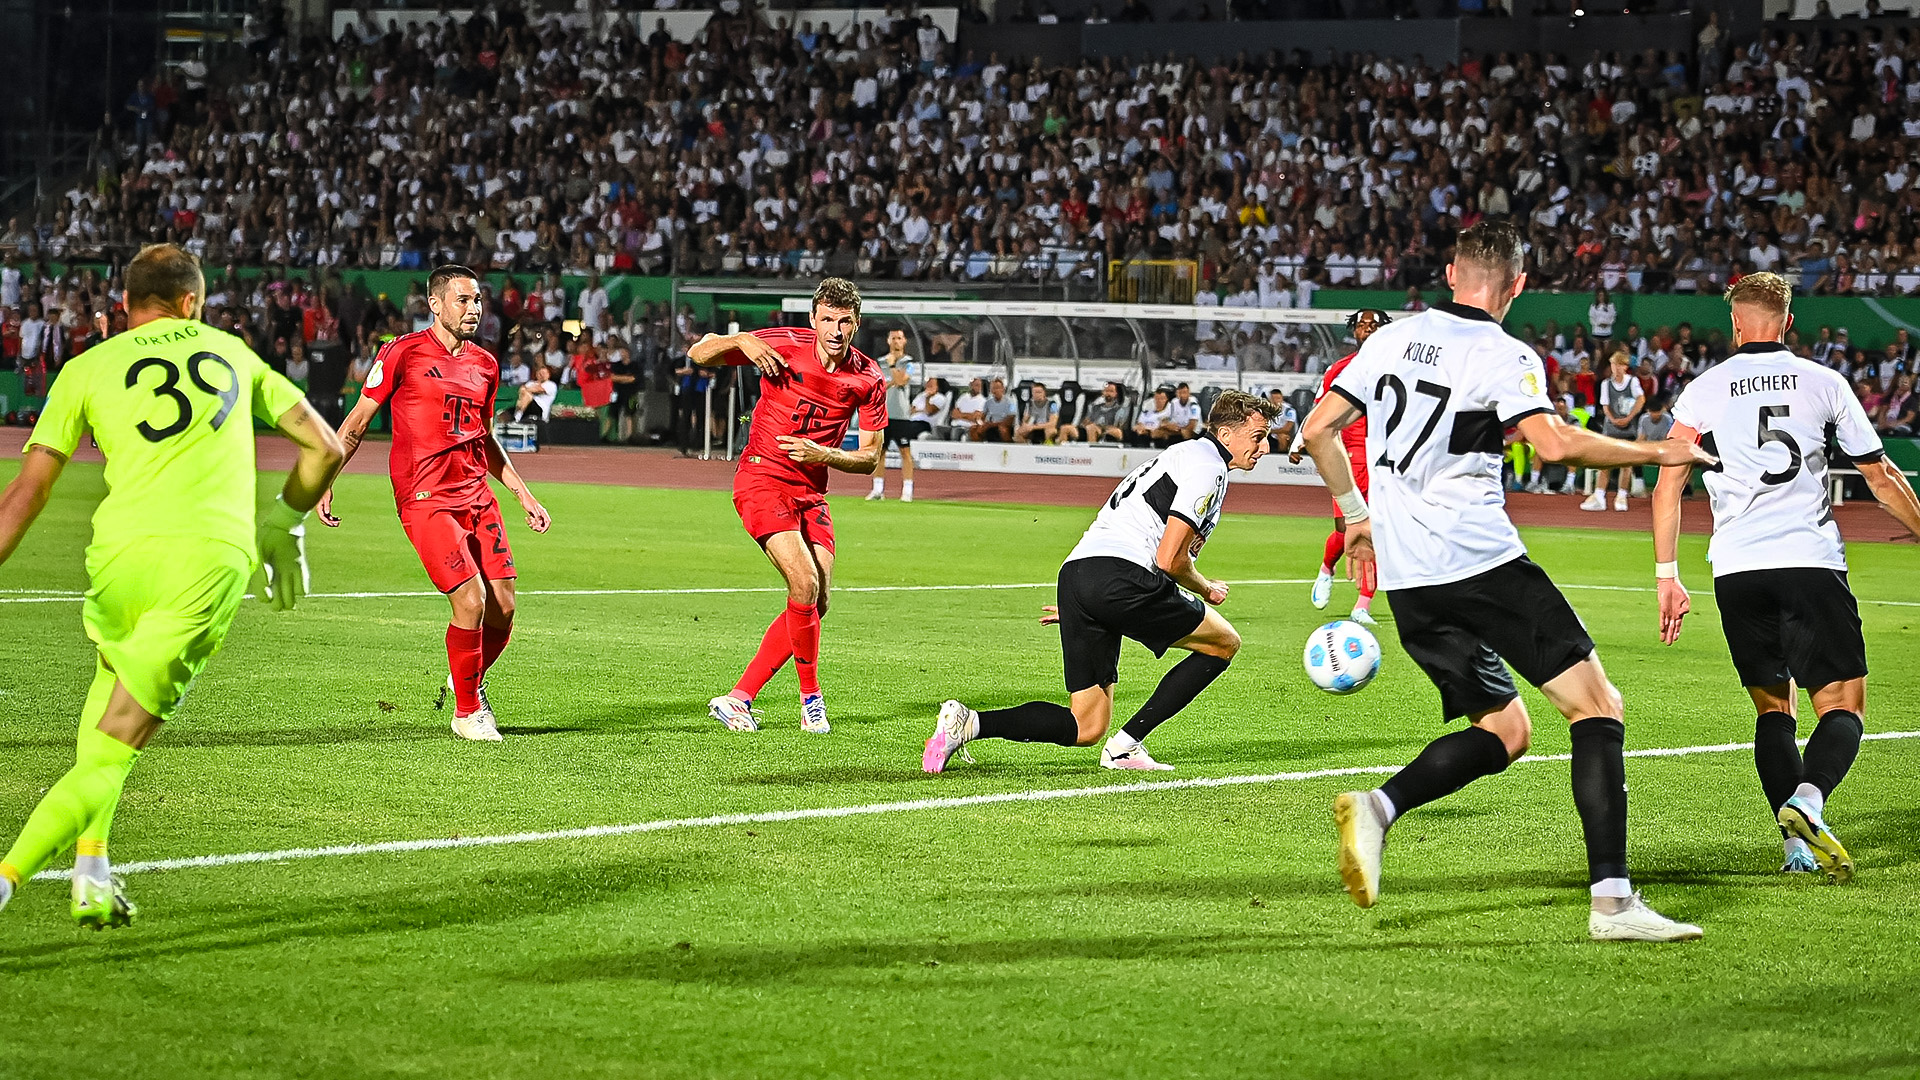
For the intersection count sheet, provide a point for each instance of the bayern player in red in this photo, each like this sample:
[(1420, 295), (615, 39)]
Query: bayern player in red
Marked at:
[(814, 384), (442, 387), (1362, 324)]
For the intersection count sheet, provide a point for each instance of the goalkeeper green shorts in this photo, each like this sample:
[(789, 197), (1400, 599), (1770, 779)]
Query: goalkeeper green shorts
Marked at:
[(158, 610)]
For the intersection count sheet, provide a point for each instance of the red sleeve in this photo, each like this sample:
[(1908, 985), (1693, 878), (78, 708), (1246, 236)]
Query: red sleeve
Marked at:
[(873, 411), (388, 365)]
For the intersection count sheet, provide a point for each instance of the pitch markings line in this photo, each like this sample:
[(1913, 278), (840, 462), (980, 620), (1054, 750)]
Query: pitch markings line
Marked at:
[(767, 817)]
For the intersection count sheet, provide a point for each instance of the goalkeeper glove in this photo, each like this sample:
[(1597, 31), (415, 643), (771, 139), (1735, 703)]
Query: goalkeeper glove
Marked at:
[(281, 579)]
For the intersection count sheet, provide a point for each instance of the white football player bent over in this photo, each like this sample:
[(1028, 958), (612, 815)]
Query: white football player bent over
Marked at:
[(1133, 576), (1437, 390), (1779, 567)]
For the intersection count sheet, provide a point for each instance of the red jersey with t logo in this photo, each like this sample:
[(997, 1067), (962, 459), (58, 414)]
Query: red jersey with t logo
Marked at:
[(811, 402), (442, 406)]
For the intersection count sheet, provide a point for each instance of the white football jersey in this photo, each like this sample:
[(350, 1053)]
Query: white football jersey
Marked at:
[(1766, 414), (1188, 481), (1439, 388)]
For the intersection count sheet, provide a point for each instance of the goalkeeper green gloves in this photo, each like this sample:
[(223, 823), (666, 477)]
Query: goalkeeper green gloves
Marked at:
[(281, 580)]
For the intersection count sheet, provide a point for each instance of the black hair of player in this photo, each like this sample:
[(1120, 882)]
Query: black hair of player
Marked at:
[(1380, 319), (162, 274), (442, 274)]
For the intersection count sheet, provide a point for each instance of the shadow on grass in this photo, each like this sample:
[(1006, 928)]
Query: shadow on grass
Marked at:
[(491, 899), (183, 735), (696, 964)]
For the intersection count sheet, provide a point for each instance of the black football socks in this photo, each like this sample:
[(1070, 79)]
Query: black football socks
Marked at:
[(1777, 757), (1600, 794), (1036, 721), (1831, 748), (1178, 687), (1448, 764)]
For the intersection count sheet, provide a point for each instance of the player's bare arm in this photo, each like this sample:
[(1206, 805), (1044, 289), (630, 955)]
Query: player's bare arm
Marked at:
[(1321, 433), (1674, 602), (1562, 443), (352, 430), (27, 495), (865, 461), (321, 456), (1175, 556), (716, 350), (501, 468), (1889, 485)]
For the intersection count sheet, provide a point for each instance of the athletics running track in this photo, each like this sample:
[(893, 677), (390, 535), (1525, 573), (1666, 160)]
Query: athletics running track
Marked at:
[(1860, 520)]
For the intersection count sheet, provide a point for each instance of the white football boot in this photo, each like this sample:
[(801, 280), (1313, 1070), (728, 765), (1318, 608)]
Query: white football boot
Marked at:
[(1363, 836), (1638, 922), (736, 714)]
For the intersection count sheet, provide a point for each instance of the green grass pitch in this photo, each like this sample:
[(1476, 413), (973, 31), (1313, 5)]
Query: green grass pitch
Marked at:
[(1186, 932)]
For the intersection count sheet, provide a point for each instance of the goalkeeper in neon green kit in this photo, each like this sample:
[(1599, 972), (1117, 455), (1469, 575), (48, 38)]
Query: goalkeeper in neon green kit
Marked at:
[(171, 403)]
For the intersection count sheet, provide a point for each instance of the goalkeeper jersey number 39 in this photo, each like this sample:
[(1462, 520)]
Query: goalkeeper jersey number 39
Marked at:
[(171, 404)]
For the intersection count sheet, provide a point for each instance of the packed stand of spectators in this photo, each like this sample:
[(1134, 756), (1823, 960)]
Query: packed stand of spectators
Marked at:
[(1620, 378), (325, 334), (535, 143)]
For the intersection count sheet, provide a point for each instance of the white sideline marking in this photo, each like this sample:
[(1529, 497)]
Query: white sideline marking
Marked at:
[(61, 597), (774, 816)]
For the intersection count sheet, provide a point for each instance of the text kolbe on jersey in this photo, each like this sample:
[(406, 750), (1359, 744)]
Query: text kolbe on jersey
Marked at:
[(1766, 415), (1438, 389)]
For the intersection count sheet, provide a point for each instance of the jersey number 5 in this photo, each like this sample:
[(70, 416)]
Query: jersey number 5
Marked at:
[(170, 388)]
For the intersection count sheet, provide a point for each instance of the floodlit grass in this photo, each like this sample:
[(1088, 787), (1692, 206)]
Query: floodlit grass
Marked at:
[(1195, 931)]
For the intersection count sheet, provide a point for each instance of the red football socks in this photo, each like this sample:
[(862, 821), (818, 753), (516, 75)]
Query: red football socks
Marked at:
[(803, 631), (1336, 543), (493, 642), (772, 655), (464, 650)]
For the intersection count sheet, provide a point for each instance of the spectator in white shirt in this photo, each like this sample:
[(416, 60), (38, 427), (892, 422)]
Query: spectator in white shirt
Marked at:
[(968, 409)]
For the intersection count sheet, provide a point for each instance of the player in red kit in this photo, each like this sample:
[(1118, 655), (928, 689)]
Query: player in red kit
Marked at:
[(442, 389), (1362, 324), (814, 384)]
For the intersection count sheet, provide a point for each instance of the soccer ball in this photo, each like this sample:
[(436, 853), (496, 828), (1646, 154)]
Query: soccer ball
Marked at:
[(1342, 657)]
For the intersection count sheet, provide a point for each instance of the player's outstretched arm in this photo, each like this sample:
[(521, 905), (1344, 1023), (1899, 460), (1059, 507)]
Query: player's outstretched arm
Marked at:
[(281, 578), (717, 349), (1674, 602), (502, 469), (1562, 443), (1175, 556), (322, 454), (1886, 481), (27, 495), (352, 430), (1321, 433), (870, 458)]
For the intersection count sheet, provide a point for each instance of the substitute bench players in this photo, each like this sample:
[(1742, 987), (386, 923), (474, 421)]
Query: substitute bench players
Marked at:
[(1438, 389), (1124, 580), (1779, 567), (442, 386), (814, 383)]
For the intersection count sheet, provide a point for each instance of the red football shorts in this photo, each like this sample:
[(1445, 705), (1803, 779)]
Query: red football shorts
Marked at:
[(456, 542), (1359, 462), (767, 505)]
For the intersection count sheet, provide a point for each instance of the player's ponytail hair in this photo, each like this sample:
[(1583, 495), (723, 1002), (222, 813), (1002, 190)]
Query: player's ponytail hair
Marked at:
[(837, 292), (1234, 407), (161, 274)]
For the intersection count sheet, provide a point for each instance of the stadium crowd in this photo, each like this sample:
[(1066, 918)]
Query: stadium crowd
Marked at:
[(534, 145), (538, 144)]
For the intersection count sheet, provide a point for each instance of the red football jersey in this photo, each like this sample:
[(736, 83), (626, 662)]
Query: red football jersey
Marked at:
[(442, 407), (809, 401), (1355, 435)]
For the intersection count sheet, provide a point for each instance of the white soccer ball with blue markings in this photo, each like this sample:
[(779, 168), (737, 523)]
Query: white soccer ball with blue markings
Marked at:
[(1342, 657)]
